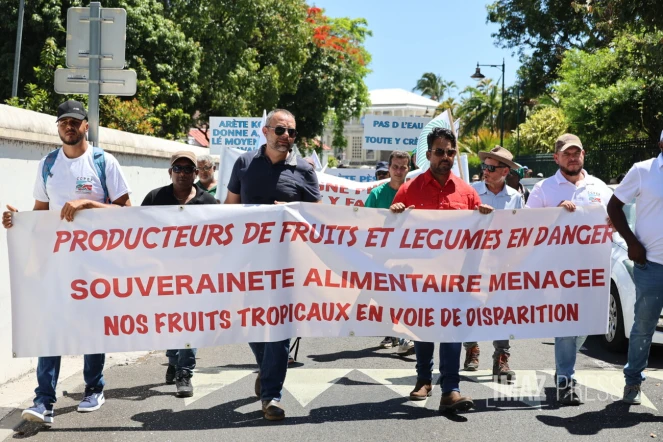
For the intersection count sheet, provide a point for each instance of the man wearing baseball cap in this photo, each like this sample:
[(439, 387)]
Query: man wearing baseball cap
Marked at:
[(74, 177), (381, 170), (181, 191), (494, 192), (570, 187), (643, 182)]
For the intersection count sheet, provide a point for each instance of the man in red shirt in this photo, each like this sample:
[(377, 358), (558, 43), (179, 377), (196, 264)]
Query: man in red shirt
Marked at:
[(439, 189)]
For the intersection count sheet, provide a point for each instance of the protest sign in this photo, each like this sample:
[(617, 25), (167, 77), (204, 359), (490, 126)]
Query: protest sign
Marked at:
[(142, 278), (359, 175), (383, 132), (241, 133)]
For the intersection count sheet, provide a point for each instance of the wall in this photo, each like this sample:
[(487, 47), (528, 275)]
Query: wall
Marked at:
[(25, 137)]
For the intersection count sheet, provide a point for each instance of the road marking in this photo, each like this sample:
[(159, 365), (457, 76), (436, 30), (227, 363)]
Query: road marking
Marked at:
[(527, 388), (206, 383), (401, 381), (307, 384)]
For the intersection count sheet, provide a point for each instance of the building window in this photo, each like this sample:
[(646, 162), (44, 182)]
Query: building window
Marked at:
[(356, 148), (370, 155)]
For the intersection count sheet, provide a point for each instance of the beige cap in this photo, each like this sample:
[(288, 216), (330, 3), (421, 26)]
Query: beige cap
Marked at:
[(500, 154), (183, 154), (567, 140)]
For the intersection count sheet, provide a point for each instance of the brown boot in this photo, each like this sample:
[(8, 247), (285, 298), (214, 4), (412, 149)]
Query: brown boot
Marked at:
[(453, 402), (472, 358), (501, 369), (272, 410), (422, 390)]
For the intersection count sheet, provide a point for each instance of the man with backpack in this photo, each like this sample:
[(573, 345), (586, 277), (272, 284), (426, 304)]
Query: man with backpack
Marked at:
[(73, 177)]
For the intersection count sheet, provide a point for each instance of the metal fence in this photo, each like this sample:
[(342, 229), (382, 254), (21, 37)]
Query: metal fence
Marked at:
[(603, 160)]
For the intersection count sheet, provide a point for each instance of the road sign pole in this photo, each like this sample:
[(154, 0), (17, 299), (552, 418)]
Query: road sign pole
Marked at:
[(17, 52), (95, 59)]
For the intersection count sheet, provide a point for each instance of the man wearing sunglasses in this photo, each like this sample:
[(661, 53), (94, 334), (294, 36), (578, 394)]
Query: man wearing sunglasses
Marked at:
[(494, 192), (180, 191), (74, 177), (207, 174), (439, 189), (273, 174)]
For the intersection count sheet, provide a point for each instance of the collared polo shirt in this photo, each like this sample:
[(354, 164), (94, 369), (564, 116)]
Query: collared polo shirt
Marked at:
[(257, 181), (555, 189), (424, 192), (507, 198), (381, 197), (644, 182)]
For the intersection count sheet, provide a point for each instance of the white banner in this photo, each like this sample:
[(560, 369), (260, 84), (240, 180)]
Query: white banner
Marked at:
[(143, 278), (359, 175), (383, 132), (241, 133)]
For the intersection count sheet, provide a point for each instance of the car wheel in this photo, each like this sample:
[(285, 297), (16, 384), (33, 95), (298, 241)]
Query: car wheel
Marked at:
[(615, 340)]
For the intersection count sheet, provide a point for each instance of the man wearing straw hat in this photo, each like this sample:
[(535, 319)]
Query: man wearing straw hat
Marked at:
[(494, 192)]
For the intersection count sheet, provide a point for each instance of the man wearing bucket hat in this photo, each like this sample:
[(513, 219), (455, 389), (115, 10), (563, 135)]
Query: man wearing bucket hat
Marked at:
[(570, 187), (494, 192)]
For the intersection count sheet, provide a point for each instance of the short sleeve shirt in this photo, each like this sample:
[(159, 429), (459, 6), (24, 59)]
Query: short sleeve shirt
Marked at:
[(507, 198), (555, 189), (381, 197), (644, 182), (76, 178), (257, 181), (164, 196), (424, 192)]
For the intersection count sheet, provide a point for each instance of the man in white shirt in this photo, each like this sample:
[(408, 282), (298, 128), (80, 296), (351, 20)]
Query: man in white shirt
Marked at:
[(644, 182), (72, 178), (494, 192), (570, 187)]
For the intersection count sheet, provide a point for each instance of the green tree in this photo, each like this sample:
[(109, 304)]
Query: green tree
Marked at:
[(542, 128), (480, 107), (434, 86)]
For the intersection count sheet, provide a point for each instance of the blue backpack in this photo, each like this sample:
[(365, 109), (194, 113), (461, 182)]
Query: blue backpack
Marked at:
[(99, 165)]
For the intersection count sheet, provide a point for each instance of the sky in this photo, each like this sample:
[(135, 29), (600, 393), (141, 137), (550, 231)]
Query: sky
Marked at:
[(411, 37)]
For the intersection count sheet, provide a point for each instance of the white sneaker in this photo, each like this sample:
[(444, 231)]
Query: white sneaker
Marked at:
[(406, 349)]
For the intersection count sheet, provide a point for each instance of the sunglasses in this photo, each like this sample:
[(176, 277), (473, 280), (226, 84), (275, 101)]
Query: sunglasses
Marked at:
[(491, 168), (280, 130), (205, 168), (183, 169), (69, 122), (441, 152)]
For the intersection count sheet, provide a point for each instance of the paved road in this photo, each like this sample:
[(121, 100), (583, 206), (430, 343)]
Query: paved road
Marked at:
[(349, 389)]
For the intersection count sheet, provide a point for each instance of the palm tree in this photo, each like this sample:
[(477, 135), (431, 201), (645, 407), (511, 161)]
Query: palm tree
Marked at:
[(433, 86), (481, 108)]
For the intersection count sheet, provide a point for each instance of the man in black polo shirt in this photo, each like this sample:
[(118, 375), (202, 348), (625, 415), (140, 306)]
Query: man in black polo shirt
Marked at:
[(272, 175), (183, 172)]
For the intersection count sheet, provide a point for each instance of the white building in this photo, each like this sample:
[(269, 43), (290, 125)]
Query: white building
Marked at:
[(393, 102)]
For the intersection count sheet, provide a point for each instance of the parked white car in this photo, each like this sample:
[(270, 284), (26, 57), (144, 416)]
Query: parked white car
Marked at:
[(622, 293)]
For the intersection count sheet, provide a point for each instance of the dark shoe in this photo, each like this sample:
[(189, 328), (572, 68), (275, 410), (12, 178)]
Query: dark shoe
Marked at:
[(569, 395), (453, 402), (272, 410), (422, 390), (501, 370), (170, 375), (256, 386), (184, 385), (472, 358)]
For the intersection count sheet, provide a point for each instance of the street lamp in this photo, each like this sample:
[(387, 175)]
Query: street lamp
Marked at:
[(479, 76)]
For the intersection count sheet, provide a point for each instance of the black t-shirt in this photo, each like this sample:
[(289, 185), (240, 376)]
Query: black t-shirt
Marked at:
[(164, 196), (257, 181)]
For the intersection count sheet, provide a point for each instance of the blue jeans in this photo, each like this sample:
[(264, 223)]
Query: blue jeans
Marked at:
[(48, 370), (449, 364), (272, 359), (501, 347), (648, 304), (183, 359), (566, 350)]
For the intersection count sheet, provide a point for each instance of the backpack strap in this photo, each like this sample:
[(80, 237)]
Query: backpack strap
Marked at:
[(100, 165), (48, 165)]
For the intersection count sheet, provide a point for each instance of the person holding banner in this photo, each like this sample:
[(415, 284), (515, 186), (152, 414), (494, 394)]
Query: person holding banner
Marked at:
[(381, 198), (643, 182), (74, 177), (570, 187), (439, 189), (181, 191), (494, 192), (273, 174)]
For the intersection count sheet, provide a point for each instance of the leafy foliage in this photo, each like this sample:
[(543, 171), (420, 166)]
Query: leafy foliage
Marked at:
[(542, 128)]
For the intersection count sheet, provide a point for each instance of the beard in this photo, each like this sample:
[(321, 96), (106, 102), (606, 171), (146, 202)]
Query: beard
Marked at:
[(441, 168), (73, 139), (570, 172)]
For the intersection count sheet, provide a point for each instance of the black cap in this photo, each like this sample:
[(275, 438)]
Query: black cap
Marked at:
[(72, 109), (382, 166)]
